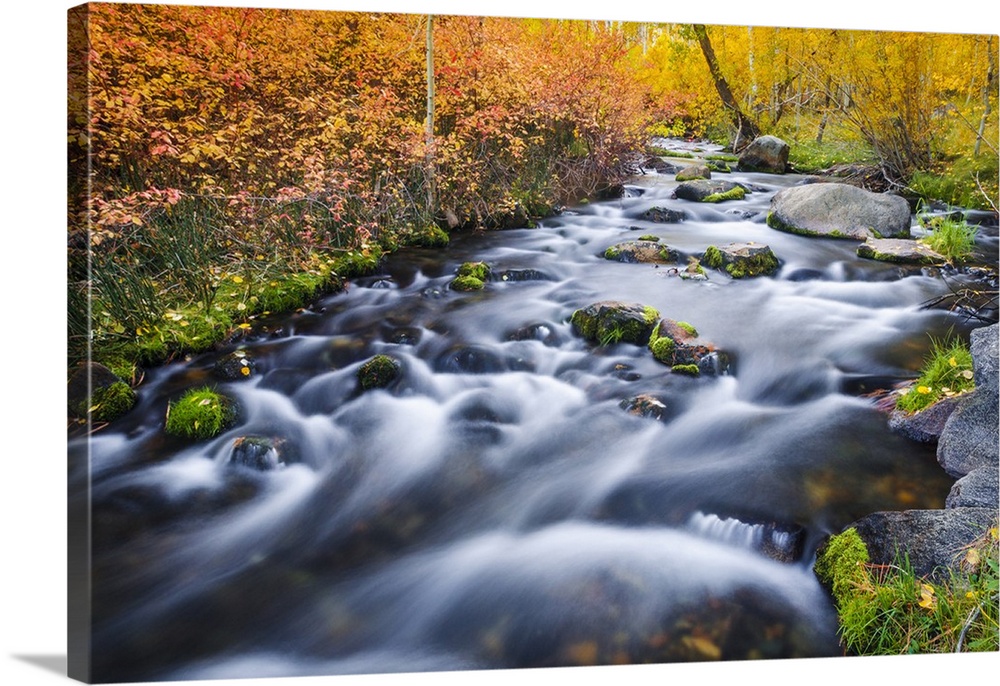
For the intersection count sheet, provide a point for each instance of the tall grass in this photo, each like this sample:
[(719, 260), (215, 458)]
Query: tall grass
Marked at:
[(954, 239), (947, 371)]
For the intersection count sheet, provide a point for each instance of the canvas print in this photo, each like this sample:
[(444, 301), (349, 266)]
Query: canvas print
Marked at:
[(423, 343)]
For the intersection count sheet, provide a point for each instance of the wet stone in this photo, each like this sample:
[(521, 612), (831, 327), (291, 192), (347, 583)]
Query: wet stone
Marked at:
[(235, 366), (256, 453)]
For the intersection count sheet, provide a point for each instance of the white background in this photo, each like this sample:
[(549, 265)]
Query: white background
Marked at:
[(32, 309)]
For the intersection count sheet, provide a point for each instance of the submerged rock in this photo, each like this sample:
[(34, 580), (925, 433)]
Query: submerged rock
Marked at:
[(235, 366), (641, 251), (742, 260), (767, 154), (256, 453), (926, 425), (839, 210), (899, 250), (378, 372), (611, 321), (663, 215), (678, 345), (644, 405)]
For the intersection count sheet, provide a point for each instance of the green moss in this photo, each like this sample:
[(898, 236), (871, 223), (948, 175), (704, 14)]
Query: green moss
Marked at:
[(688, 328), (199, 414), (779, 225), (840, 564), (689, 369), (955, 240), (763, 263), (947, 371), (662, 348), (109, 402), (650, 314), (378, 372), (712, 257), (612, 253), (467, 283), (649, 237), (737, 193), (585, 324), (431, 236), (478, 270)]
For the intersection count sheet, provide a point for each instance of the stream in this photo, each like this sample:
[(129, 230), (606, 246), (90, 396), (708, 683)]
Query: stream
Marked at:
[(497, 507)]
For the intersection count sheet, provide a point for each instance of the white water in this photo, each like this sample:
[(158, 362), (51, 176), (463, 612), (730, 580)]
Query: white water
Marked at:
[(496, 507)]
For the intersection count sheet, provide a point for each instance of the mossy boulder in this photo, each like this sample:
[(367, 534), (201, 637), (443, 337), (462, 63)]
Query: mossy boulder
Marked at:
[(641, 251), (839, 210), (737, 193), (741, 260), (611, 321), (765, 154), (378, 372), (109, 396), (235, 366), (678, 345), (700, 190), (899, 250), (199, 414), (840, 564)]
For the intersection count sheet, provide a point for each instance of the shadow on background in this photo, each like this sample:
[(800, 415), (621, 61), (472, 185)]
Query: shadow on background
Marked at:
[(50, 663)]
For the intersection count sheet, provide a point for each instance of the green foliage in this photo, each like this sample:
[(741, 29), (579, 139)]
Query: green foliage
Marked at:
[(888, 610), (946, 372), (611, 335), (431, 236), (200, 413), (954, 239), (378, 372), (807, 156), (109, 402), (612, 253), (644, 237)]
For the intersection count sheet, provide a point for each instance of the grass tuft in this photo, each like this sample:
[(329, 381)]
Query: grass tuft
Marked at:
[(947, 372)]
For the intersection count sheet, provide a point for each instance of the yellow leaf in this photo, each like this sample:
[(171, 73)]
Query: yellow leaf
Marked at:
[(237, 279), (244, 326), (703, 646), (923, 390), (245, 371), (927, 599), (241, 306), (972, 557), (953, 362), (967, 374)]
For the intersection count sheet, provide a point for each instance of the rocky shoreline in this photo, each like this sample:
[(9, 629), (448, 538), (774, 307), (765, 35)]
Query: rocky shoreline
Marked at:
[(967, 449)]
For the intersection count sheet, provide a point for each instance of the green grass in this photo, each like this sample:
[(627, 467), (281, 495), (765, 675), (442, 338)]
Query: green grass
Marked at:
[(889, 610), (947, 372), (808, 156), (955, 240), (969, 182)]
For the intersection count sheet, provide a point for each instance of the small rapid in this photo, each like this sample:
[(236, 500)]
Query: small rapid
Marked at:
[(497, 507)]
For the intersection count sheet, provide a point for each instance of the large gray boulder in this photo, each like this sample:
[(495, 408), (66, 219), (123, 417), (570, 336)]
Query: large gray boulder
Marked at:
[(765, 154), (838, 210), (978, 488), (925, 426), (694, 171), (701, 189), (969, 439), (933, 540)]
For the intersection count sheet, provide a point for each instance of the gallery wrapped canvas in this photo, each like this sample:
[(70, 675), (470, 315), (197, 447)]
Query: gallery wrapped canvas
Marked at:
[(424, 343)]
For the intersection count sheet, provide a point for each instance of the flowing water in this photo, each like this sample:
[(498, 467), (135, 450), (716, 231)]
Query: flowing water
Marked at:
[(497, 507)]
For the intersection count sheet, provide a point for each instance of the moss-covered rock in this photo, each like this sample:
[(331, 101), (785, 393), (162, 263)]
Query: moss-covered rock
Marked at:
[(687, 369), (899, 250), (736, 193), (678, 345), (742, 260), (694, 171), (95, 390), (467, 283), (110, 402), (378, 372), (609, 322), (840, 563), (663, 215), (641, 251), (701, 189), (199, 414)]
